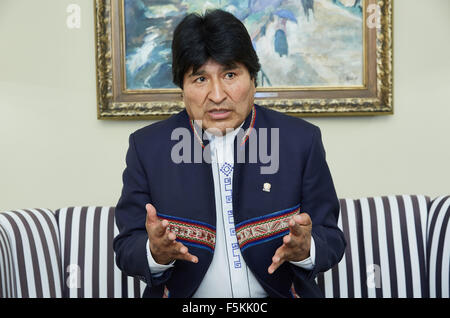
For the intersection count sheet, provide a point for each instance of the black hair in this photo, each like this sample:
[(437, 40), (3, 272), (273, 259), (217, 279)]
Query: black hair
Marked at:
[(217, 35)]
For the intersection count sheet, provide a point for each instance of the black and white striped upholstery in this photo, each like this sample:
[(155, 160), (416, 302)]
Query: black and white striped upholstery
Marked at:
[(7, 278), (88, 261), (397, 246), (385, 255), (438, 250), (34, 247)]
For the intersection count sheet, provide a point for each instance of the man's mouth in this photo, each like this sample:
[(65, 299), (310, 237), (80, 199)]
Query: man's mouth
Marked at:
[(219, 113)]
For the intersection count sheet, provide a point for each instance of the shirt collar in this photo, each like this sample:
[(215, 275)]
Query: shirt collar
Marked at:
[(229, 137), (247, 125)]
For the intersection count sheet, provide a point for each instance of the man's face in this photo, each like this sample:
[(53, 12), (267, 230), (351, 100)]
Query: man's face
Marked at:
[(221, 97)]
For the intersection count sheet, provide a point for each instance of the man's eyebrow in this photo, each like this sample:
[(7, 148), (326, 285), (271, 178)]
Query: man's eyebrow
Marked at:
[(225, 68), (197, 73), (229, 67)]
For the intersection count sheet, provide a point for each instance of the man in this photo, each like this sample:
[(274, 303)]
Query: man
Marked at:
[(222, 226)]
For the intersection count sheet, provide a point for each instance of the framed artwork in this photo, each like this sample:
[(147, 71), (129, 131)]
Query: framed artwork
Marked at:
[(318, 57)]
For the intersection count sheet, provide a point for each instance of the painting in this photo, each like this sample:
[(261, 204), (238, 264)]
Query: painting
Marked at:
[(318, 57)]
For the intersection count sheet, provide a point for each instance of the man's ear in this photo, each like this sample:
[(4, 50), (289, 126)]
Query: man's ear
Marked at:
[(254, 81)]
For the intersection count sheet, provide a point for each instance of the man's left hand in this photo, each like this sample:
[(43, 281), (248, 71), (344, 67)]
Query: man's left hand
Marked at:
[(296, 244)]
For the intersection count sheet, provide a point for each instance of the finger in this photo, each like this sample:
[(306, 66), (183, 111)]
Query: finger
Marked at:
[(294, 227), (277, 260), (288, 241), (274, 266), (167, 238), (183, 254), (155, 227), (160, 228), (171, 237)]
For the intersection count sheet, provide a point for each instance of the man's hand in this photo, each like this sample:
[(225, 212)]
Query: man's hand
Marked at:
[(163, 246), (296, 244)]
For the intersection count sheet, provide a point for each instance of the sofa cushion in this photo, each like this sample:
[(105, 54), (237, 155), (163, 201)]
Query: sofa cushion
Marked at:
[(386, 249), (34, 242), (7, 278), (88, 259), (438, 250)]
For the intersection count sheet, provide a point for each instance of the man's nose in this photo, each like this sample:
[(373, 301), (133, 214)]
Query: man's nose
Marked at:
[(217, 93)]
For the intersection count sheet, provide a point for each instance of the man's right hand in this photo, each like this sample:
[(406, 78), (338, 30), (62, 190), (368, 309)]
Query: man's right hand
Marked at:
[(163, 244)]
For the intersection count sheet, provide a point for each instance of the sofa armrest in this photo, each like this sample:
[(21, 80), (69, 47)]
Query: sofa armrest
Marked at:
[(87, 255), (7, 270), (385, 255), (32, 236), (438, 247)]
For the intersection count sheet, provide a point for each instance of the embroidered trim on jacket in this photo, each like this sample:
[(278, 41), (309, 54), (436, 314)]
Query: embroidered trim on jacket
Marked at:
[(265, 228), (192, 233), (252, 123)]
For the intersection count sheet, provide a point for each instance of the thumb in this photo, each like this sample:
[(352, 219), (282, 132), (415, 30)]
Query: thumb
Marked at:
[(151, 213), (299, 222), (303, 219)]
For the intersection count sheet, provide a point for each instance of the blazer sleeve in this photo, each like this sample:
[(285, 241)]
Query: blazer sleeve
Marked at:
[(320, 201), (130, 214)]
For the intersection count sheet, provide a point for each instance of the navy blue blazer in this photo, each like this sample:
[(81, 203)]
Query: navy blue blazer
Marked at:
[(183, 193)]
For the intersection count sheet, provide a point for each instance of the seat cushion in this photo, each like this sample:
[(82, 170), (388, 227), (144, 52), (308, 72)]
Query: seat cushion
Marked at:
[(89, 268), (34, 241), (438, 251), (386, 249)]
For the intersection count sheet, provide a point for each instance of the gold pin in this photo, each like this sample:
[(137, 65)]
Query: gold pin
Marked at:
[(266, 187)]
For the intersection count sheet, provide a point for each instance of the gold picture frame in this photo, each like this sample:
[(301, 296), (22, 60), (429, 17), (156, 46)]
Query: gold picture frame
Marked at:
[(373, 97)]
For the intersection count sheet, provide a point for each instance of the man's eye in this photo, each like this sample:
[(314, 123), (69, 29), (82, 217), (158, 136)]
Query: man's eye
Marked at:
[(200, 79), (230, 75)]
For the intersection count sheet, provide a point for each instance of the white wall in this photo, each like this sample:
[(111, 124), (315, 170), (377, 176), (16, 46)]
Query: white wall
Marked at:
[(55, 153)]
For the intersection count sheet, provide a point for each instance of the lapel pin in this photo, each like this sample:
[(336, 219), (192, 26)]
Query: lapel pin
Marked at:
[(266, 187)]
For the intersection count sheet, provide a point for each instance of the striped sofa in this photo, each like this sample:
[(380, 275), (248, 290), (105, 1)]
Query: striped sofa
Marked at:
[(397, 246), (67, 253)]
